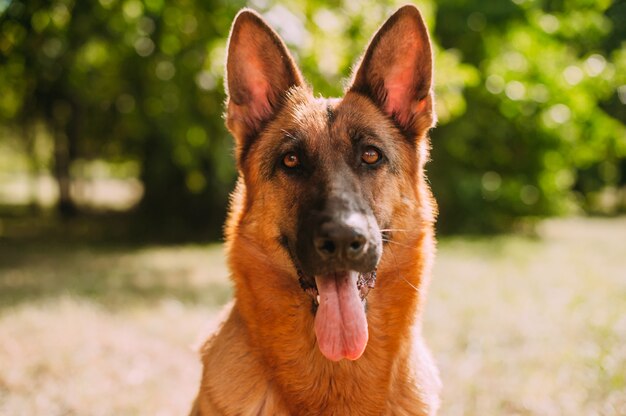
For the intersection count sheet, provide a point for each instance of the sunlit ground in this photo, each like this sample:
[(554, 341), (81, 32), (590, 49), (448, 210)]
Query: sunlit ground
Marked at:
[(518, 326)]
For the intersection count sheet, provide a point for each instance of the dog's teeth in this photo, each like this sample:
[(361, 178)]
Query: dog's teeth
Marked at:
[(317, 298)]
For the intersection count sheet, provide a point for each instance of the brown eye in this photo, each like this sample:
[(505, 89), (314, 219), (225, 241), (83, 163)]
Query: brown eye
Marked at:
[(291, 160), (371, 156)]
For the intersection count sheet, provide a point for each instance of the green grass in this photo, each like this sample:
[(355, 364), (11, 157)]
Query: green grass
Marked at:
[(518, 326)]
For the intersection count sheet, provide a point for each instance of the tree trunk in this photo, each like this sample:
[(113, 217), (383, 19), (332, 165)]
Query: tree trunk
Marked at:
[(66, 134), (62, 163)]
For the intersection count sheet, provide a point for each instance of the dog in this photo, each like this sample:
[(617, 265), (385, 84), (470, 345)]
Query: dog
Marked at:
[(330, 234)]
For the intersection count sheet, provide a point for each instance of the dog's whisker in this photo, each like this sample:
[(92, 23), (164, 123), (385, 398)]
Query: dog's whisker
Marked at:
[(395, 259), (288, 134), (394, 229), (410, 284), (386, 240)]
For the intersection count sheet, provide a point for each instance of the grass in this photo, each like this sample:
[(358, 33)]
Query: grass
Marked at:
[(524, 327), (519, 326)]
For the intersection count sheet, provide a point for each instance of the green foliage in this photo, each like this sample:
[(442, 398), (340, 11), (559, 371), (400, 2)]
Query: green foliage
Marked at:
[(537, 121), (530, 95), (126, 80)]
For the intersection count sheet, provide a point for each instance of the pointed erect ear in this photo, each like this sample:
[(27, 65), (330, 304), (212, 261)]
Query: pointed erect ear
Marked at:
[(396, 72), (259, 71)]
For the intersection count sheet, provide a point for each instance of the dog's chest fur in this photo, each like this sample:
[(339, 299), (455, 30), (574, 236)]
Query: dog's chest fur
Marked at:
[(385, 388)]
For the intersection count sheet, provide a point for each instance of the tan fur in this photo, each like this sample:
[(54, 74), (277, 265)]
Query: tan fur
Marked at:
[(264, 359)]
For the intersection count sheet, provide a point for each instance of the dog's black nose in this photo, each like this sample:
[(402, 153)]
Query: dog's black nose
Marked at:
[(336, 240), (339, 237)]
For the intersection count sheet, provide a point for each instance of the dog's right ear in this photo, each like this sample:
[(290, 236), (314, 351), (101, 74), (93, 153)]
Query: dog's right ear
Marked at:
[(259, 71)]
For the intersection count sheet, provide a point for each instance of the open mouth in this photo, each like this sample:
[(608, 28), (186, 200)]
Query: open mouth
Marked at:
[(365, 282), (338, 300), (339, 307)]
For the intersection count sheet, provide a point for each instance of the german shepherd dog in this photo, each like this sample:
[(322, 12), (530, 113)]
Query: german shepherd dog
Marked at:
[(330, 233)]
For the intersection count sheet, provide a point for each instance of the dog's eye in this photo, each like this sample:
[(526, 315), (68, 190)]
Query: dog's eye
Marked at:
[(291, 160), (371, 156)]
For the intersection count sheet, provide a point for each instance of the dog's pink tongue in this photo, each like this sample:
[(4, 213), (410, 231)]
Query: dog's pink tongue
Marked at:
[(340, 323)]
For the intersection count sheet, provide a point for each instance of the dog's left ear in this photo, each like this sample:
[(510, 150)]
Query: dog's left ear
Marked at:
[(396, 72)]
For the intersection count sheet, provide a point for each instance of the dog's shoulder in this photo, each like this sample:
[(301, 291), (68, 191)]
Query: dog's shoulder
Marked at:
[(417, 385), (234, 381)]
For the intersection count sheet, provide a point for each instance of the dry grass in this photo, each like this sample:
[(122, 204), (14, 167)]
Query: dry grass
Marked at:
[(518, 326), (524, 327)]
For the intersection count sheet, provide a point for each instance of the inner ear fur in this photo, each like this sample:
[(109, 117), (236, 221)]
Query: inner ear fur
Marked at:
[(259, 72), (396, 72)]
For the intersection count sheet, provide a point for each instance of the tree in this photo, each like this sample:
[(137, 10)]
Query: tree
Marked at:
[(537, 121), (530, 96)]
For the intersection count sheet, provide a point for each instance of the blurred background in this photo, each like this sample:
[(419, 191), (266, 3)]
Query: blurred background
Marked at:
[(115, 171)]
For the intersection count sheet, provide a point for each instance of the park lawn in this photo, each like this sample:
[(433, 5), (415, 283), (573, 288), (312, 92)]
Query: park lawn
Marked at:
[(518, 325)]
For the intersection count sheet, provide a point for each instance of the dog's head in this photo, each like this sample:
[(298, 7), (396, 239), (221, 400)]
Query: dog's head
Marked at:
[(327, 177)]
